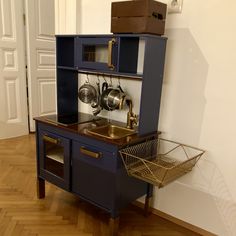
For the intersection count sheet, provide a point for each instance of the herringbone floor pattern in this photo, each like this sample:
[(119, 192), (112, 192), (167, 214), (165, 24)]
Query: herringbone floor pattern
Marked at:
[(60, 213)]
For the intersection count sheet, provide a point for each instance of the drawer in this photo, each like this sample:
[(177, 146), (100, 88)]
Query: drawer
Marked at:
[(94, 155)]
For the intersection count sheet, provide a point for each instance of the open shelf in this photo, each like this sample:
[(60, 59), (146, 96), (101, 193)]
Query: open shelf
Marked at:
[(56, 154), (65, 52), (66, 68), (128, 55)]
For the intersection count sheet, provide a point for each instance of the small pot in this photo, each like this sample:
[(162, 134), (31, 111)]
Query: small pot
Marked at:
[(112, 99), (115, 99), (87, 93)]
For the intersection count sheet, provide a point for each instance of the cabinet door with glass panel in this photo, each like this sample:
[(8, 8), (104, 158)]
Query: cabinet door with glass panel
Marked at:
[(97, 53), (54, 159)]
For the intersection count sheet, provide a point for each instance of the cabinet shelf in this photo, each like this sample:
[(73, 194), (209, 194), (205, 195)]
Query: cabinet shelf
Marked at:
[(56, 154), (66, 68), (121, 75)]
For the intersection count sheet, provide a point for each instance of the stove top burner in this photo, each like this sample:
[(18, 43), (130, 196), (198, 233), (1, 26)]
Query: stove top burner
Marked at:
[(72, 119)]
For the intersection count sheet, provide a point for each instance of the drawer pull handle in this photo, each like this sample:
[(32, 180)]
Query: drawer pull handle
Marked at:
[(51, 140), (87, 152), (110, 45)]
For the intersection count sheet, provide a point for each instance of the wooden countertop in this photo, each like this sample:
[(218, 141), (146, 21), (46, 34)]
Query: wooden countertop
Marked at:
[(82, 129)]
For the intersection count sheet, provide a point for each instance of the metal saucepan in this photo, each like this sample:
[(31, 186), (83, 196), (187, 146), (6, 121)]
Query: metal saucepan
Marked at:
[(111, 98), (87, 93)]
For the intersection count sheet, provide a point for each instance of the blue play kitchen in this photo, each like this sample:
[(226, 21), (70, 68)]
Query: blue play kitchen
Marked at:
[(108, 163)]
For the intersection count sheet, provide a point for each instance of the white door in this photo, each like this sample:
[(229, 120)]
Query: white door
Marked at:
[(40, 33), (13, 95)]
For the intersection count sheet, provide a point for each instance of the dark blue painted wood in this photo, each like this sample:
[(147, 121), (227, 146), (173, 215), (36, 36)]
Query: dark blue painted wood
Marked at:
[(93, 41), (76, 52), (92, 182), (38, 148), (65, 47), (128, 54), (44, 173), (128, 189), (106, 160), (67, 94), (103, 182), (152, 84)]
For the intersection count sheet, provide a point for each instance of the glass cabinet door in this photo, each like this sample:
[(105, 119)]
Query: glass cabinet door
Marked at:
[(97, 53), (55, 159), (53, 156)]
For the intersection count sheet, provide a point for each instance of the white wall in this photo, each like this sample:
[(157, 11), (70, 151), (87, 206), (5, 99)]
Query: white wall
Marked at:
[(67, 15), (198, 106)]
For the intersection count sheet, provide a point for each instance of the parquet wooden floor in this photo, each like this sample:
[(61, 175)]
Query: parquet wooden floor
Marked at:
[(60, 213)]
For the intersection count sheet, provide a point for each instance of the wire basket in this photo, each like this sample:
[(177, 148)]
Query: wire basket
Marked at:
[(159, 161)]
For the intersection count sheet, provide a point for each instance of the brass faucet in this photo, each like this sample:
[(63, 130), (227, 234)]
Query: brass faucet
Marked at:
[(131, 117)]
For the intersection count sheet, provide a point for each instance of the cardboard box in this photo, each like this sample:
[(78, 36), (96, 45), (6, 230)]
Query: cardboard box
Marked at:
[(138, 16)]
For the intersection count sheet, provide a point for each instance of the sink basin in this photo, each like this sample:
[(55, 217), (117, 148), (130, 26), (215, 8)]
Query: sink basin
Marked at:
[(111, 131)]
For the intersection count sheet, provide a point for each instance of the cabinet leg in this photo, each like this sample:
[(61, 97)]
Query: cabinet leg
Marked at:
[(114, 226), (40, 188), (148, 199), (147, 205)]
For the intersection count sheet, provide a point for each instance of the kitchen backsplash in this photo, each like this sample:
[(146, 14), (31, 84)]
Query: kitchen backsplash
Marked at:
[(131, 87)]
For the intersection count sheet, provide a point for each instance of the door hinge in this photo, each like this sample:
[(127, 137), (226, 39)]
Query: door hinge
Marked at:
[(24, 19)]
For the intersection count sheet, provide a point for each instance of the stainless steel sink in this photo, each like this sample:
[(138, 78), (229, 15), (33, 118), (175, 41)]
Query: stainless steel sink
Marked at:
[(111, 131)]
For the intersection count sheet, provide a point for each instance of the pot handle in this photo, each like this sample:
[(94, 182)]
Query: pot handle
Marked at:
[(104, 86)]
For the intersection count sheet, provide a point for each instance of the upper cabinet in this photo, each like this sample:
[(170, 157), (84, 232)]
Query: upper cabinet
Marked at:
[(111, 54), (122, 55)]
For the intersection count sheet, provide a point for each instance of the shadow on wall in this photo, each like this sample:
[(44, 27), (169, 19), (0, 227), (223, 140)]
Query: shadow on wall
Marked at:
[(207, 177), (182, 110), (183, 101), (219, 191)]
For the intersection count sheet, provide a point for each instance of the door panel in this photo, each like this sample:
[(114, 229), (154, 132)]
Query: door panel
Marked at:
[(12, 89), (9, 59), (45, 59), (46, 86), (7, 17), (45, 23), (41, 57), (13, 96)]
